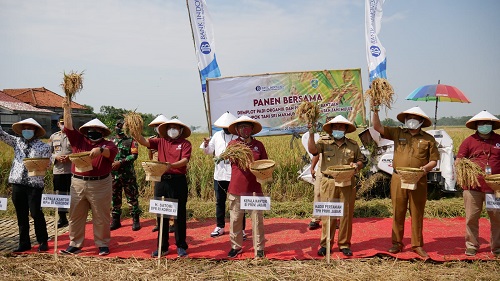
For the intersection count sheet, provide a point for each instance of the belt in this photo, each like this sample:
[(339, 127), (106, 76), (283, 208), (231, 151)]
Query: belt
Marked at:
[(327, 176), (165, 177), (90, 178)]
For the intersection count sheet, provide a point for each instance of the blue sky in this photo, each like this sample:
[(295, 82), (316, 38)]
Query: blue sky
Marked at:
[(139, 54)]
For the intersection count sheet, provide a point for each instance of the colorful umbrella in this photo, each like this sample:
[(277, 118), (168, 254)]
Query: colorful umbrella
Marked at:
[(438, 92)]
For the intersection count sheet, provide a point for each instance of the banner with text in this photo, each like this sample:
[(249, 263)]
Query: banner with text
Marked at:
[(329, 209), (375, 52), (262, 203), (56, 201), (3, 204), (272, 99), (163, 207)]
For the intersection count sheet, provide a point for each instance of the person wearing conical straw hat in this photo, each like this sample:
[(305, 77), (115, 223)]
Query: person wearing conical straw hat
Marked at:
[(483, 148), (153, 155), (336, 149), (61, 149), (243, 182), (222, 172), (175, 150), (91, 189), (27, 191), (413, 148)]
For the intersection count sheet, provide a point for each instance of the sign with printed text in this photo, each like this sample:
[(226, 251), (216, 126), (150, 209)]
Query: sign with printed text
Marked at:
[(492, 203), (163, 207), (3, 204), (330, 209), (56, 201), (262, 203), (273, 98)]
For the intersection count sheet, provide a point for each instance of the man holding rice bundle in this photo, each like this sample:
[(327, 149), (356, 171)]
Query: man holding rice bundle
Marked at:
[(243, 182), (27, 191), (336, 149), (483, 149), (175, 150), (413, 148), (91, 189)]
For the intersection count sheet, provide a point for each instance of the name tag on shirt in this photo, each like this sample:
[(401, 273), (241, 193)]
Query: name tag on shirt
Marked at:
[(163, 207), (492, 203), (262, 203), (56, 201), (3, 204), (329, 209)]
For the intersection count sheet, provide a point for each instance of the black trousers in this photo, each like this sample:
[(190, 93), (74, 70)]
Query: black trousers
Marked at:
[(62, 183), (220, 188), (27, 200), (174, 187)]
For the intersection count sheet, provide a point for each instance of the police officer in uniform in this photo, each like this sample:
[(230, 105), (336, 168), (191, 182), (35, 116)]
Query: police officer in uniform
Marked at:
[(124, 178)]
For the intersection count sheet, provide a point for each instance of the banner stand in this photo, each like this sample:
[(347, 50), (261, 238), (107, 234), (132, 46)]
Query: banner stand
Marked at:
[(328, 241), (160, 238)]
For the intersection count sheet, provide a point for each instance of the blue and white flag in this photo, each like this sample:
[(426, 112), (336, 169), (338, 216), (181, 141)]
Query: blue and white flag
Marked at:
[(375, 52), (204, 44)]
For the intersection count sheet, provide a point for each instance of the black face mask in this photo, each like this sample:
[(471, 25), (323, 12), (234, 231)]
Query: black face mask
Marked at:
[(119, 131), (93, 136), (226, 131)]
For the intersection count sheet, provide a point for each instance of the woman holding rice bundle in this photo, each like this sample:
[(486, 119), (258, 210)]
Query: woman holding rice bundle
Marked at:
[(483, 149)]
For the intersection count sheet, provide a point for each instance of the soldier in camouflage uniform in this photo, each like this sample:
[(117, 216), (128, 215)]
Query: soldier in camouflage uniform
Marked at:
[(124, 178)]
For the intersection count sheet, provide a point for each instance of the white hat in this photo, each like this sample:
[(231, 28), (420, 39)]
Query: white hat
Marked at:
[(158, 120), (95, 123), (339, 119), (415, 111), (162, 129), (18, 127), (483, 116), (257, 127), (225, 120)]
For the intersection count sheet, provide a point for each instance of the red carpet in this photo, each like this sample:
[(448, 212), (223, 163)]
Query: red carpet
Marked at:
[(290, 239)]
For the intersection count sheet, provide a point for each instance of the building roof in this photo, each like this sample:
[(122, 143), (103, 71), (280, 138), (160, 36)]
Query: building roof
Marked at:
[(40, 97), (14, 104)]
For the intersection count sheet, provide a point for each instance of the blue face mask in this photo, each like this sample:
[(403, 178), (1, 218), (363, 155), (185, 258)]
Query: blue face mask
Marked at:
[(337, 134), (28, 134), (484, 129)]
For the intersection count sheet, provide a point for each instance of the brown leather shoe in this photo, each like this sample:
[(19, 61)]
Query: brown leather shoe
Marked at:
[(396, 248), (421, 252)]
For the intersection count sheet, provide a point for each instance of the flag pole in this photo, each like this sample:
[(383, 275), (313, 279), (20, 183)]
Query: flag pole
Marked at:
[(436, 109)]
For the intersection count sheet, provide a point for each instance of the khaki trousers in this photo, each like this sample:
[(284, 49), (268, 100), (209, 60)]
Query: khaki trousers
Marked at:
[(416, 199), (346, 194), (473, 201), (96, 196), (237, 215)]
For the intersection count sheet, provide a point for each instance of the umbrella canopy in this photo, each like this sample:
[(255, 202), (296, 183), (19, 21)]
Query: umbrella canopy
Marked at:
[(438, 92)]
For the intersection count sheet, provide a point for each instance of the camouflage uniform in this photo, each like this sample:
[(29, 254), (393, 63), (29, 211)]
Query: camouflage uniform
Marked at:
[(124, 178)]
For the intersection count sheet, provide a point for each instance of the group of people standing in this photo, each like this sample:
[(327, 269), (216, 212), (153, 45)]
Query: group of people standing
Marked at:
[(100, 189)]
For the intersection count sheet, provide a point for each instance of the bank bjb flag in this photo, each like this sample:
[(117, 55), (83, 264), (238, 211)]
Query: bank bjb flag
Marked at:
[(203, 36), (375, 52)]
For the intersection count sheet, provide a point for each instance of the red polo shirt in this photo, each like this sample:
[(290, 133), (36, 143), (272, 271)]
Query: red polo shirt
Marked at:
[(243, 182), (101, 165), (172, 151)]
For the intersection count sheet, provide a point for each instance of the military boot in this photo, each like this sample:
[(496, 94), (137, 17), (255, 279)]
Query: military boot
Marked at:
[(115, 222), (135, 225)]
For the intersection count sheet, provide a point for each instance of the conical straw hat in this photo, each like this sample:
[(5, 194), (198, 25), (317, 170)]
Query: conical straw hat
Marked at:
[(158, 120), (415, 111), (36, 166), (162, 129), (18, 127), (154, 170), (409, 177), (257, 127), (483, 116), (95, 123), (82, 161), (339, 119), (263, 170), (225, 120)]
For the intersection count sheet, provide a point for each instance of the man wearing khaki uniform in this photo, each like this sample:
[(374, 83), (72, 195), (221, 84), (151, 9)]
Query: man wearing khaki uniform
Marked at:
[(336, 149), (413, 148)]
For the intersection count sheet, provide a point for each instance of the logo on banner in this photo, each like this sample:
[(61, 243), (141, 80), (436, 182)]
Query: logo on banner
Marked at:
[(205, 48), (314, 83), (269, 88), (375, 51)]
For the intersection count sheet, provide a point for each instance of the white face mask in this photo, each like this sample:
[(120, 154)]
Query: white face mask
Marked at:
[(413, 124), (173, 133)]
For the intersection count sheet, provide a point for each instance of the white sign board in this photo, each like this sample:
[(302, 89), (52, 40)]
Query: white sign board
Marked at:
[(492, 203), (163, 207), (255, 203), (330, 209), (3, 204), (56, 201)]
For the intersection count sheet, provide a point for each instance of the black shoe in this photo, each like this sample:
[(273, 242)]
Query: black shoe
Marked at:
[(71, 251), (103, 251), (21, 249), (234, 252), (155, 228), (115, 222), (313, 225), (62, 223), (260, 254), (44, 247), (322, 252), (155, 253), (136, 225), (346, 251), (171, 229)]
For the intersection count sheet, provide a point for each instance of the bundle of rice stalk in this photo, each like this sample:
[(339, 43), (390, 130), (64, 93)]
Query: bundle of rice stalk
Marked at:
[(467, 173), (133, 124), (72, 84), (240, 154), (380, 93), (308, 112)]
